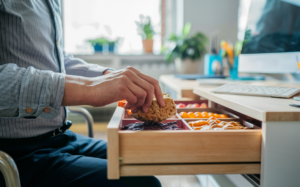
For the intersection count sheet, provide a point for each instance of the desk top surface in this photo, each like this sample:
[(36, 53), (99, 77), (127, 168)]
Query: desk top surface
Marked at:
[(178, 84), (261, 108)]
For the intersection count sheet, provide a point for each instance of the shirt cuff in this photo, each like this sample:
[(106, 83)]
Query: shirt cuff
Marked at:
[(41, 93)]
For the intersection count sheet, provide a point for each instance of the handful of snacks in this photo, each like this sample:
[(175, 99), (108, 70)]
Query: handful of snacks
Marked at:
[(213, 124), (156, 113)]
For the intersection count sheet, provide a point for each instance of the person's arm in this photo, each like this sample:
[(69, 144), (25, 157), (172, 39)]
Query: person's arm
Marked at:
[(23, 88), (129, 84), (76, 66), (27, 92), (138, 89)]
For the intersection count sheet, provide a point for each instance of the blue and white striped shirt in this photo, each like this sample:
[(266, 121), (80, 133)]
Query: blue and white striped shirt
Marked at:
[(32, 68)]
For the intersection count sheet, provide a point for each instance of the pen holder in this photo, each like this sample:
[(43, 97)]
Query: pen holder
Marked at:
[(233, 69), (212, 65)]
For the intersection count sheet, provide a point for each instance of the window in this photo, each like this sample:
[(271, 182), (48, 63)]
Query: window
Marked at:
[(89, 19)]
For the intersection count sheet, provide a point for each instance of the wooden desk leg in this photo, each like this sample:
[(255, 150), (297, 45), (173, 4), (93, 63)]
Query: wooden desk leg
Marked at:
[(280, 162)]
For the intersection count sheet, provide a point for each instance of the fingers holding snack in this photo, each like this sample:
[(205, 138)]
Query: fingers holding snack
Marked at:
[(140, 94), (154, 85), (156, 113)]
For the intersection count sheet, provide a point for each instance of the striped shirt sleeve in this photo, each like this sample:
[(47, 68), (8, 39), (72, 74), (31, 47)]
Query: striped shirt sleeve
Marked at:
[(76, 66), (23, 88)]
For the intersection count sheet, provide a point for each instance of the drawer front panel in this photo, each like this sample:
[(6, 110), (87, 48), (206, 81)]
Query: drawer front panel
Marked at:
[(190, 146)]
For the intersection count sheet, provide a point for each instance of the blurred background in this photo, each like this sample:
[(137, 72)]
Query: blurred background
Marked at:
[(117, 34), (155, 36)]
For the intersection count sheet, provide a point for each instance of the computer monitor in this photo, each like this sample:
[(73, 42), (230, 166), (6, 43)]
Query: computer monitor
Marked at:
[(272, 38)]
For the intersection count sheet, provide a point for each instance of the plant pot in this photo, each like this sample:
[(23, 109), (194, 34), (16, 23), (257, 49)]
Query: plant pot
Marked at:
[(148, 46), (186, 66), (111, 47), (98, 48)]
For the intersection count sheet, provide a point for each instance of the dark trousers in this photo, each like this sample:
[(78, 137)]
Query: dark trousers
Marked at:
[(68, 159)]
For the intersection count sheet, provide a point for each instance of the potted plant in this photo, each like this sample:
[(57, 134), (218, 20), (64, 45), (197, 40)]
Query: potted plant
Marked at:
[(145, 29), (100, 43), (187, 51)]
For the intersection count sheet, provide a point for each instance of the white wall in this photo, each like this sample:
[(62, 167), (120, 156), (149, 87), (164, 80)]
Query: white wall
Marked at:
[(208, 16)]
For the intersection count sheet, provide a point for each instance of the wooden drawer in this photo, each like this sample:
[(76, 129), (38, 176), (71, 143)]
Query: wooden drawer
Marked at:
[(137, 153)]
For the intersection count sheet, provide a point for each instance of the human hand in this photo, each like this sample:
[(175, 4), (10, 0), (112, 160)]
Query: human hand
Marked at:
[(129, 84)]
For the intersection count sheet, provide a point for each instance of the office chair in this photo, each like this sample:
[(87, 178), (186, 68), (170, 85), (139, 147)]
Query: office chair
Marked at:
[(8, 166)]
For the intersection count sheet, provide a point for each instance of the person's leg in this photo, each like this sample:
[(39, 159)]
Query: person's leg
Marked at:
[(90, 146), (98, 148), (64, 169), (69, 160)]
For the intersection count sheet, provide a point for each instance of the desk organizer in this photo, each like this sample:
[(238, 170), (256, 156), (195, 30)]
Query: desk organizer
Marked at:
[(175, 152)]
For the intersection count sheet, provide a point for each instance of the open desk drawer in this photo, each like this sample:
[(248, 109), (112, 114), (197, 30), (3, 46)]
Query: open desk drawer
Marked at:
[(170, 152)]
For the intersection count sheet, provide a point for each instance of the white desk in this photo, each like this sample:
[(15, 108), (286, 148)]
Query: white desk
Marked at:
[(280, 165), (178, 88)]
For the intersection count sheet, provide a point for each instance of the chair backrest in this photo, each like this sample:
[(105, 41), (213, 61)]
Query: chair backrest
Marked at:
[(9, 170)]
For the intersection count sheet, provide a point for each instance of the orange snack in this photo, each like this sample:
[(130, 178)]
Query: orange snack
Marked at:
[(205, 115), (214, 119), (199, 123), (198, 115), (129, 111), (203, 105), (197, 128), (184, 115), (224, 116), (217, 115), (211, 114), (122, 103), (191, 115)]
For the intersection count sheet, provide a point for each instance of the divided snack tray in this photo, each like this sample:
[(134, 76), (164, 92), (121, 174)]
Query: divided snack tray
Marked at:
[(186, 151)]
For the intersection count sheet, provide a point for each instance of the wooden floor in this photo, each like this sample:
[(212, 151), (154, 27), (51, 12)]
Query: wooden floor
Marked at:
[(100, 132)]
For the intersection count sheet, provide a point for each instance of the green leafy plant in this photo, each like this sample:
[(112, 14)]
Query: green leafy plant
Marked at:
[(182, 46), (145, 28), (247, 36), (102, 41)]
